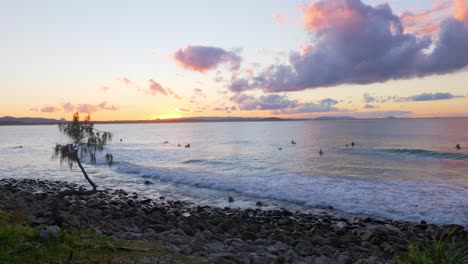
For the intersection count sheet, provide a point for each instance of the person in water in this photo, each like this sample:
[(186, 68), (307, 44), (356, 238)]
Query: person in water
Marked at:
[(458, 146)]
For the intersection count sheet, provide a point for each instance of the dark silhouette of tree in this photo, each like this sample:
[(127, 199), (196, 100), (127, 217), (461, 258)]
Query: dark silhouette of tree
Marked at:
[(86, 141)]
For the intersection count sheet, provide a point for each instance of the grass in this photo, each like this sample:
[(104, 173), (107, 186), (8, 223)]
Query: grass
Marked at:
[(20, 243), (441, 249)]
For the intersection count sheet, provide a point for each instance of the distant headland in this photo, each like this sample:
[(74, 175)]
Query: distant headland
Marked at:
[(15, 121)]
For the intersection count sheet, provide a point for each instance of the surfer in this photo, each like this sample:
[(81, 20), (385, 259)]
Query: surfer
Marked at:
[(458, 146), (320, 152), (293, 142), (352, 144)]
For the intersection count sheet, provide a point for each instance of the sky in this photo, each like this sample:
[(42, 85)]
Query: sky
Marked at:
[(139, 60)]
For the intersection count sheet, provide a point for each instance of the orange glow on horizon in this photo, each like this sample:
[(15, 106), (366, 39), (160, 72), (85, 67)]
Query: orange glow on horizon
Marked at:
[(168, 116)]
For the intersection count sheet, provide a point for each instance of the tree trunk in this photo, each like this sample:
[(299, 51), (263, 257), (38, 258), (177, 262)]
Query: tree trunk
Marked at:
[(59, 198), (84, 172)]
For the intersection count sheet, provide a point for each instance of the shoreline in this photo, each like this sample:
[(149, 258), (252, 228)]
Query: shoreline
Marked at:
[(218, 234)]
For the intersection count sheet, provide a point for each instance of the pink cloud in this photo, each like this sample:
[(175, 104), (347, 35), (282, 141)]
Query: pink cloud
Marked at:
[(336, 14), (176, 96), (68, 107), (50, 109), (281, 19), (155, 88), (425, 22), (105, 106), (461, 10), (126, 81), (354, 43), (46, 109), (204, 58), (87, 108)]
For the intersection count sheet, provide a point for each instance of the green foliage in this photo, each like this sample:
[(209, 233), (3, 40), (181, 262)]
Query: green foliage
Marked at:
[(441, 249), (86, 141), (20, 244)]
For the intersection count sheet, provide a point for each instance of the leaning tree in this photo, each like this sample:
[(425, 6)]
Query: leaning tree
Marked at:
[(85, 142)]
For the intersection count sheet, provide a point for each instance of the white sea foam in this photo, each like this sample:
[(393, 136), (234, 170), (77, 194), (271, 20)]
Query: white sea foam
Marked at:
[(436, 202)]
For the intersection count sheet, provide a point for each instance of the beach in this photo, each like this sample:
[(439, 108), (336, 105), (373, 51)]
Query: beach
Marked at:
[(220, 234)]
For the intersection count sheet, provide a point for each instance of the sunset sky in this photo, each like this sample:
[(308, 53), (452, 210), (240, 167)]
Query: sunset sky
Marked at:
[(122, 60)]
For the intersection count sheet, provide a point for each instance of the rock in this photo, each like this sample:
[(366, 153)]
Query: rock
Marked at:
[(323, 260), (248, 236), (40, 195), (305, 249), (344, 259), (255, 259), (241, 246), (319, 240), (222, 256), (44, 235), (341, 225), (131, 203)]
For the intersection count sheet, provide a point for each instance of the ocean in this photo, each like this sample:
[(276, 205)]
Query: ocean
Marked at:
[(402, 169)]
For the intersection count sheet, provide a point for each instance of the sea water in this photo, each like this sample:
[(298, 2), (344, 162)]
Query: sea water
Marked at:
[(404, 169)]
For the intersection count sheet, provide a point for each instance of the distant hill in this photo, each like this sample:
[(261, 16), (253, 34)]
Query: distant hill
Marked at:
[(217, 119), (334, 118), (9, 120)]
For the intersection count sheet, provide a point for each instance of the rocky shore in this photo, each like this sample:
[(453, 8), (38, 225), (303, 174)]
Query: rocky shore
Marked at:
[(220, 234)]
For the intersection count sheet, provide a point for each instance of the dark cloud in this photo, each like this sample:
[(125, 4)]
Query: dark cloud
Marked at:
[(221, 108), (368, 98), (280, 104), (419, 97), (432, 97), (203, 58), (369, 106), (354, 43), (324, 105), (264, 102)]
